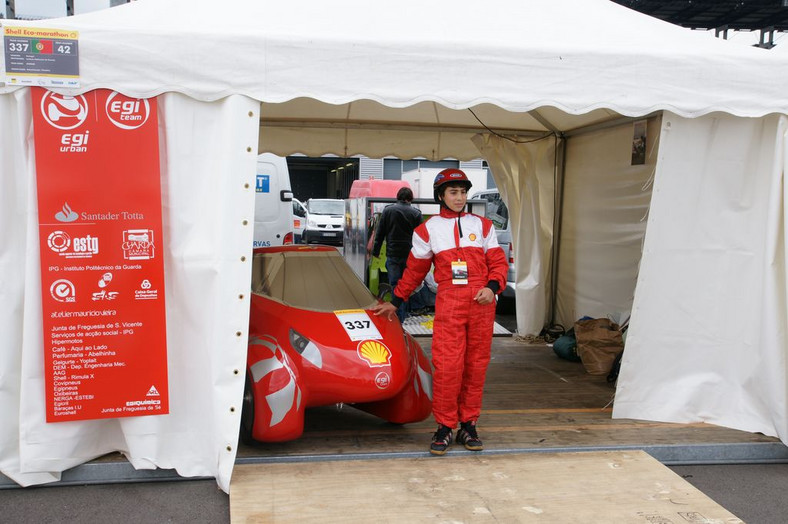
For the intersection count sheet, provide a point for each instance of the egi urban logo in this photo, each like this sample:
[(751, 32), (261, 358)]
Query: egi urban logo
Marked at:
[(63, 290), (138, 244), (125, 112), (63, 111), (66, 214), (79, 247)]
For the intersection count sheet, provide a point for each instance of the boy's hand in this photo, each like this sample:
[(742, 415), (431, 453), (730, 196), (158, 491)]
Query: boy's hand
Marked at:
[(385, 308), (485, 296)]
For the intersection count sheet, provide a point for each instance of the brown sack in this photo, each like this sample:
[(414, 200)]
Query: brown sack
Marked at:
[(598, 343)]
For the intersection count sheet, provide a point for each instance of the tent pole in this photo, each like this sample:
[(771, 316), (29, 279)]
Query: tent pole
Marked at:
[(558, 204)]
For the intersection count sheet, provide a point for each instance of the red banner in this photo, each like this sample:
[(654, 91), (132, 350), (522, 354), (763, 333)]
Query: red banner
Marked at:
[(102, 273)]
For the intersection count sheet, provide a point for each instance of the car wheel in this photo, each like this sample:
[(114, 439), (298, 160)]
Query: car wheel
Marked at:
[(247, 412)]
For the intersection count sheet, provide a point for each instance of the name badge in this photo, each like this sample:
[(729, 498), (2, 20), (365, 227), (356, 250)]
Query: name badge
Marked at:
[(459, 272)]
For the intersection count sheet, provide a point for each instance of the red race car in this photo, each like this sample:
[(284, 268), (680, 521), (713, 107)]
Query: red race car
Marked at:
[(312, 342)]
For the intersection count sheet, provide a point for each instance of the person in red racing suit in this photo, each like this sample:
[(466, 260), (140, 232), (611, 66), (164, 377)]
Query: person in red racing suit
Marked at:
[(470, 269)]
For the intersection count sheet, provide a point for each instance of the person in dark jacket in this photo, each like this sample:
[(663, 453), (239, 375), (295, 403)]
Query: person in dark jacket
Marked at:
[(396, 226)]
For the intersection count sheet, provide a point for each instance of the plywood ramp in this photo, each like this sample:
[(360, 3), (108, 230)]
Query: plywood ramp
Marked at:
[(588, 487)]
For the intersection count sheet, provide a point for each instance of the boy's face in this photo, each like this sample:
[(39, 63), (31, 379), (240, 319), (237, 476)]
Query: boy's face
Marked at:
[(455, 197)]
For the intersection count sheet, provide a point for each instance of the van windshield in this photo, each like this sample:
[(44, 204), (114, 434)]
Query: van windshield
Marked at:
[(326, 207)]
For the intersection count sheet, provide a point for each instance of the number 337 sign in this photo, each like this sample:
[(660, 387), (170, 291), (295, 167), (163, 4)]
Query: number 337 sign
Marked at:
[(358, 325)]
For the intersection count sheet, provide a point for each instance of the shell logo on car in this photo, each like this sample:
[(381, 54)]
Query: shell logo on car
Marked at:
[(374, 353)]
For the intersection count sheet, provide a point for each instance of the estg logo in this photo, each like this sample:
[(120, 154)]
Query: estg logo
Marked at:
[(63, 111), (125, 112)]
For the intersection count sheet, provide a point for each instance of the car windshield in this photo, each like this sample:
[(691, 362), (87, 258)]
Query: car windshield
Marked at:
[(326, 207), (314, 280), (496, 210)]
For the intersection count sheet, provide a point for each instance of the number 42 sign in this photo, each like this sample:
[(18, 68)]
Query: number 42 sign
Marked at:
[(358, 325)]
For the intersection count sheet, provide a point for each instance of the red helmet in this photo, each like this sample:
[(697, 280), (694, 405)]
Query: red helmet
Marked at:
[(449, 176)]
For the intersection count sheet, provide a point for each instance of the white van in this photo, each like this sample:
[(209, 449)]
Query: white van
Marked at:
[(325, 221), (273, 208)]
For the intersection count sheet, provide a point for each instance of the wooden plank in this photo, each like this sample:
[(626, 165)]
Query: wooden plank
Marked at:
[(621, 486)]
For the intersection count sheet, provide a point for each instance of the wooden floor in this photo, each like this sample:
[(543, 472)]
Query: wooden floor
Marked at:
[(613, 486), (533, 401)]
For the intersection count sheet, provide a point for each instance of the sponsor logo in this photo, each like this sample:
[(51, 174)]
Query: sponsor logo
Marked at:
[(382, 380), (79, 247), (152, 392), (263, 184), (145, 292), (63, 111), (74, 142), (63, 290), (66, 214), (138, 244), (130, 403), (374, 353), (58, 241), (472, 237), (125, 112), (104, 294)]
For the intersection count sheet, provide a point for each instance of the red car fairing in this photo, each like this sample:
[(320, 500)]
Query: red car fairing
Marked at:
[(312, 343)]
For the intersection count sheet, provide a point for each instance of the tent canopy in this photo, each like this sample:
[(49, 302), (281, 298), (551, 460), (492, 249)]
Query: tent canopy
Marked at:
[(421, 76)]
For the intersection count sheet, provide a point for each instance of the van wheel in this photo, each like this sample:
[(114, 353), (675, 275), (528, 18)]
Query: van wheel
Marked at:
[(247, 412)]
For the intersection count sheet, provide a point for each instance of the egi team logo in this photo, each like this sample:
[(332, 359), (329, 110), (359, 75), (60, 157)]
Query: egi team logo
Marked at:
[(125, 112), (63, 290), (63, 111), (78, 247), (138, 244)]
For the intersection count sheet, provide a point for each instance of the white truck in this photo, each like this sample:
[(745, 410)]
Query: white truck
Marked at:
[(273, 208)]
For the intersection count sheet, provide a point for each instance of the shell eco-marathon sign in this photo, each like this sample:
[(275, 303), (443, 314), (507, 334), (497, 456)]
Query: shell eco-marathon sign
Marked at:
[(40, 56), (102, 274)]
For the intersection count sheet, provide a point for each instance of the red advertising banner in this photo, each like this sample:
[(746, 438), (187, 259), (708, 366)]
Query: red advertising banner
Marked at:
[(102, 273)]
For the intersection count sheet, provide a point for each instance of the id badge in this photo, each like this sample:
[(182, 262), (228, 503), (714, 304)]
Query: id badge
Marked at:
[(459, 272)]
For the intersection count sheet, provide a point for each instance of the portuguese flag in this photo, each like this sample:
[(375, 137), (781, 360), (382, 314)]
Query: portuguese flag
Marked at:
[(43, 47)]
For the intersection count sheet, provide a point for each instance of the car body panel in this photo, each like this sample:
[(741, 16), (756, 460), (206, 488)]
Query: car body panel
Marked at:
[(334, 352)]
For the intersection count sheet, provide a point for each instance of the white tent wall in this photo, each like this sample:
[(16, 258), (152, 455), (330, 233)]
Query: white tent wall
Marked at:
[(208, 161), (524, 172), (603, 220), (707, 340)]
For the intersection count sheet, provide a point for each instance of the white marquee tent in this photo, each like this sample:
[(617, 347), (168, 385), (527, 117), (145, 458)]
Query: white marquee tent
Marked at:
[(691, 242)]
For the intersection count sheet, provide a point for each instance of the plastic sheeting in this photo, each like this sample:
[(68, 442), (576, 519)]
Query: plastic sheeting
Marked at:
[(524, 175), (707, 339), (208, 153)]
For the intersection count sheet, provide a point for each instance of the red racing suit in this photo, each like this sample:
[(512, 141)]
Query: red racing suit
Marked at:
[(462, 330)]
